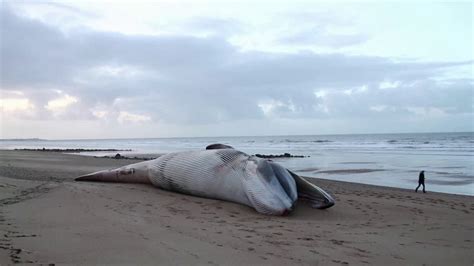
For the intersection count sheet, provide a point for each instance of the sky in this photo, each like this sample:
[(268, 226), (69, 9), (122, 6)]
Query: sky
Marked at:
[(143, 69)]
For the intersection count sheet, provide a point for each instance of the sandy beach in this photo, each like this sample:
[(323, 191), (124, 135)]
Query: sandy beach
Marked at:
[(46, 217)]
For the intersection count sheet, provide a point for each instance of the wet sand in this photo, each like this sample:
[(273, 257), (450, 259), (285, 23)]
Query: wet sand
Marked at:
[(46, 217)]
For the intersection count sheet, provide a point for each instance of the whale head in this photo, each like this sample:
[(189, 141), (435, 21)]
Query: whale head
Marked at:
[(269, 190)]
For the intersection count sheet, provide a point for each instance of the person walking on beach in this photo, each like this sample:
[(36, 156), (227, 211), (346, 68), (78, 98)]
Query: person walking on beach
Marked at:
[(421, 181)]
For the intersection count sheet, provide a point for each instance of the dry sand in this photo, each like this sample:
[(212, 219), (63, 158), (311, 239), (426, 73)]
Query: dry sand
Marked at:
[(46, 217)]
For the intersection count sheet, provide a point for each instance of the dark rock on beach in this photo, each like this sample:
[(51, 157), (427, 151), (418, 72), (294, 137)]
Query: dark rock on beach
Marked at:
[(284, 155), (118, 156)]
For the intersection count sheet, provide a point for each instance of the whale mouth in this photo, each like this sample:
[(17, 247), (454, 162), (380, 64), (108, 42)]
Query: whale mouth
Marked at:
[(314, 195), (286, 180), (273, 189), (268, 189)]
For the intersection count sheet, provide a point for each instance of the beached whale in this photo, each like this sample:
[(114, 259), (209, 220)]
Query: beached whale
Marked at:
[(225, 174)]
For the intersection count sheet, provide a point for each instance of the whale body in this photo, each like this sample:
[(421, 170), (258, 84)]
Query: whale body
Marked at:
[(225, 174)]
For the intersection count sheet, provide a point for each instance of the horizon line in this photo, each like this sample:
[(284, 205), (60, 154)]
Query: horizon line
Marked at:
[(235, 136)]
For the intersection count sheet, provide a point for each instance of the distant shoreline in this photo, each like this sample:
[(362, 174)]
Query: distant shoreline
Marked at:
[(71, 150)]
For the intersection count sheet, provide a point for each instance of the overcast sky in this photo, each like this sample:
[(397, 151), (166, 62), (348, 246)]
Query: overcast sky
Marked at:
[(77, 69)]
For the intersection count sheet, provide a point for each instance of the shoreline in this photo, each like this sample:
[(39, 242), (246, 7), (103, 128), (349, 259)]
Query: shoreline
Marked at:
[(110, 223), (131, 157), (141, 157)]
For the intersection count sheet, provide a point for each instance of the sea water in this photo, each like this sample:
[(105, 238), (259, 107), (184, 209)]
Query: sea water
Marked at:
[(393, 160)]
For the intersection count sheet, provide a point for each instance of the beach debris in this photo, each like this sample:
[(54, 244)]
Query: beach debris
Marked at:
[(122, 157), (284, 155)]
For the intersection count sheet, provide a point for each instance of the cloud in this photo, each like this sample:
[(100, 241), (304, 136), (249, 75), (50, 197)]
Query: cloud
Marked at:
[(185, 79), (16, 105), (125, 117), (207, 27), (323, 37), (60, 103)]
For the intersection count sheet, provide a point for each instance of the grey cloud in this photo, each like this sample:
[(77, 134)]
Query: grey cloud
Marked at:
[(213, 26), (321, 37), (313, 28), (426, 95), (183, 79)]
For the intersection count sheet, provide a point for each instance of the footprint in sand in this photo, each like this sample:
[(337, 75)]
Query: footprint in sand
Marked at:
[(337, 242)]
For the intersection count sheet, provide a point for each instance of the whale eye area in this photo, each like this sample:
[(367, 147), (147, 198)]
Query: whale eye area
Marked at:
[(127, 171)]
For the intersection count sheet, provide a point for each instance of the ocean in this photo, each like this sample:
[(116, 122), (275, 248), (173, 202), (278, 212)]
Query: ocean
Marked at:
[(392, 160)]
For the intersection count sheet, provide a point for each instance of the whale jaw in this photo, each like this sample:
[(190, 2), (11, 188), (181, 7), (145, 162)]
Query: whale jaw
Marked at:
[(316, 196)]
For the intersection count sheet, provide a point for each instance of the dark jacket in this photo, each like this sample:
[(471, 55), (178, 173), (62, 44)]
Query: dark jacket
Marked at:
[(421, 178)]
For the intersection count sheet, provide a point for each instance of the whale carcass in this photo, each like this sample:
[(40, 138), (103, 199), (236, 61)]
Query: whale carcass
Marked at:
[(222, 173)]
